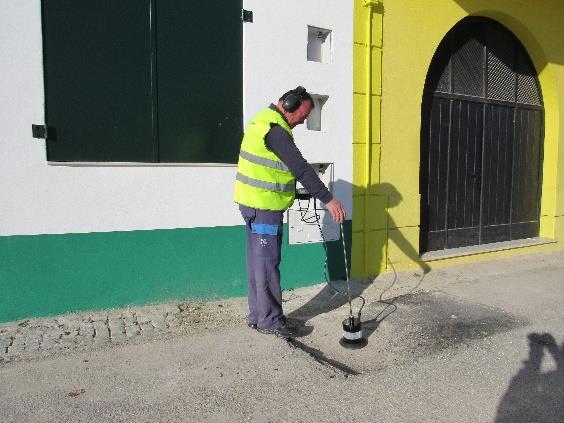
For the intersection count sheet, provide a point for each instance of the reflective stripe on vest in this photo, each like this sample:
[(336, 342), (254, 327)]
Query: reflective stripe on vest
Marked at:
[(263, 162), (270, 186)]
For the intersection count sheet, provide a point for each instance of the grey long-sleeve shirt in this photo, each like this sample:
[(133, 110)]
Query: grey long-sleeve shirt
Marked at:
[(281, 143)]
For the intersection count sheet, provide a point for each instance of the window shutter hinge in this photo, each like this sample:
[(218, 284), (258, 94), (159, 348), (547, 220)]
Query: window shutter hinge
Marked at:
[(247, 15), (39, 131)]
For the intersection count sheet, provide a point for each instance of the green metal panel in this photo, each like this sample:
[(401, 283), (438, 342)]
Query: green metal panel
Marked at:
[(97, 58), (199, 67)]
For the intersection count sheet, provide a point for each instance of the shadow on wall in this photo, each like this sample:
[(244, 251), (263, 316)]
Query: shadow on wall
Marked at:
[(387, 227), (396, 236), (534, 395)]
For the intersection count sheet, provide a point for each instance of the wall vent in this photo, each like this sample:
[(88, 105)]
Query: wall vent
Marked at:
[(314, 119), (318, 44)]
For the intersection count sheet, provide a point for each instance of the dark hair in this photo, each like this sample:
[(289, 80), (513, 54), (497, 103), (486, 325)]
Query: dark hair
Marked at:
[(299, 92)]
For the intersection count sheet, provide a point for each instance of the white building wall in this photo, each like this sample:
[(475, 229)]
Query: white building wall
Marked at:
[(41, 198), (275, 53)]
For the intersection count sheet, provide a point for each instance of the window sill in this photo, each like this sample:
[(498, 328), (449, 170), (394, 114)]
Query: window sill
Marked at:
[(485, 248), (136, 164)]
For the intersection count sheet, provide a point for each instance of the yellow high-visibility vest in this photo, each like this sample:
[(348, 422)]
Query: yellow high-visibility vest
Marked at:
[(263, 181)]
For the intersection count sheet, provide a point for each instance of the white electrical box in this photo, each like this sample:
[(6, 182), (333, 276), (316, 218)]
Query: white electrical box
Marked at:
[(325, 173), (305, 221), (303, 227)]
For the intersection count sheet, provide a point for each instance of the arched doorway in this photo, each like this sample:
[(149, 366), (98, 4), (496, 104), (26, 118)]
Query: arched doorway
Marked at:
[(481, 140)]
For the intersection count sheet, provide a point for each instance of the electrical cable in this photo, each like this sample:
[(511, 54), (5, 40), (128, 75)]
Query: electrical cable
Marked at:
[(347, 294), (346, 269), (303, 212)]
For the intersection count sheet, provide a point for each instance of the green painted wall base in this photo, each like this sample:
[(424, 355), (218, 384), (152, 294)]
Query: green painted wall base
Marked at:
[(45, 275)]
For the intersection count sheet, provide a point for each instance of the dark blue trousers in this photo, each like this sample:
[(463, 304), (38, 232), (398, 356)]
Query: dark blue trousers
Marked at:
[(264, 244)]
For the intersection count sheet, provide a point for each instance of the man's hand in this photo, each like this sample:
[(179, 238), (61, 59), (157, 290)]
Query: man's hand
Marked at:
[(336, 210)]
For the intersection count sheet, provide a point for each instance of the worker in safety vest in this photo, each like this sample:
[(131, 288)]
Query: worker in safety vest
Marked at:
[(265, 186)]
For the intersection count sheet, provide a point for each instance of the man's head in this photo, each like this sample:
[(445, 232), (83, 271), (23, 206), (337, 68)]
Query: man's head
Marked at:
[(296, 106)]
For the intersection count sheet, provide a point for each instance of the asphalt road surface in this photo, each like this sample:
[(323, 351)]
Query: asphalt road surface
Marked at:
[(472, 343)]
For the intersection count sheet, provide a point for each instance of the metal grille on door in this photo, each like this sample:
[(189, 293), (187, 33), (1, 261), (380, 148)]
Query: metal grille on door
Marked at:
[(481, 140)]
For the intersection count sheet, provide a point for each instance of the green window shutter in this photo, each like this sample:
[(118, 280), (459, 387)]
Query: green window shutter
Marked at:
[(143, 80), (199, 68), (98, 80)]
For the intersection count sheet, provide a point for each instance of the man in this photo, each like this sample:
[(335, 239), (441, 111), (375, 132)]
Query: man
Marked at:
[(269, 165)]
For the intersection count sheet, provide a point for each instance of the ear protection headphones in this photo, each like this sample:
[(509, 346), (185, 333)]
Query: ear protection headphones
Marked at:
[(293, 100)]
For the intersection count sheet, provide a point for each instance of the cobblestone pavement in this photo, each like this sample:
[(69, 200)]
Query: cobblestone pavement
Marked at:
[(30, 338)]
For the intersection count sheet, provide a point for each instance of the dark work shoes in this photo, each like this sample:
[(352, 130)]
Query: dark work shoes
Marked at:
[(254, 325), (285, 331)]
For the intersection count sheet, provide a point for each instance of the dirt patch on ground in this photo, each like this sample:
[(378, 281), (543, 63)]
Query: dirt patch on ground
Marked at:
[(406, 328)]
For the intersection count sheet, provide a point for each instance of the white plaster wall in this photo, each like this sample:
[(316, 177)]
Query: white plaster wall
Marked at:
[(275, 60), (39, 198)]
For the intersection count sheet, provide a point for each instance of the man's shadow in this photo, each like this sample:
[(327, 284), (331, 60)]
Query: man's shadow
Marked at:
[(335, 293), (534, 395)]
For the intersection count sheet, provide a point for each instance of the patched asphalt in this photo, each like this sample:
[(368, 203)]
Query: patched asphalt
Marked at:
[(405, 328)]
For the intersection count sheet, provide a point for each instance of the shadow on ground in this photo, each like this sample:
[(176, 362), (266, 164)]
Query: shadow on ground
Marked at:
[(535, 395)]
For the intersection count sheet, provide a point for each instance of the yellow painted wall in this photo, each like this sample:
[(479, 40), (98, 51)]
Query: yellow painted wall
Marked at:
[(394, 42)]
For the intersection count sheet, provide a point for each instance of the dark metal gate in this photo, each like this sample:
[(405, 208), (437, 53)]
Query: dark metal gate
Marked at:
[(481, 140)]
